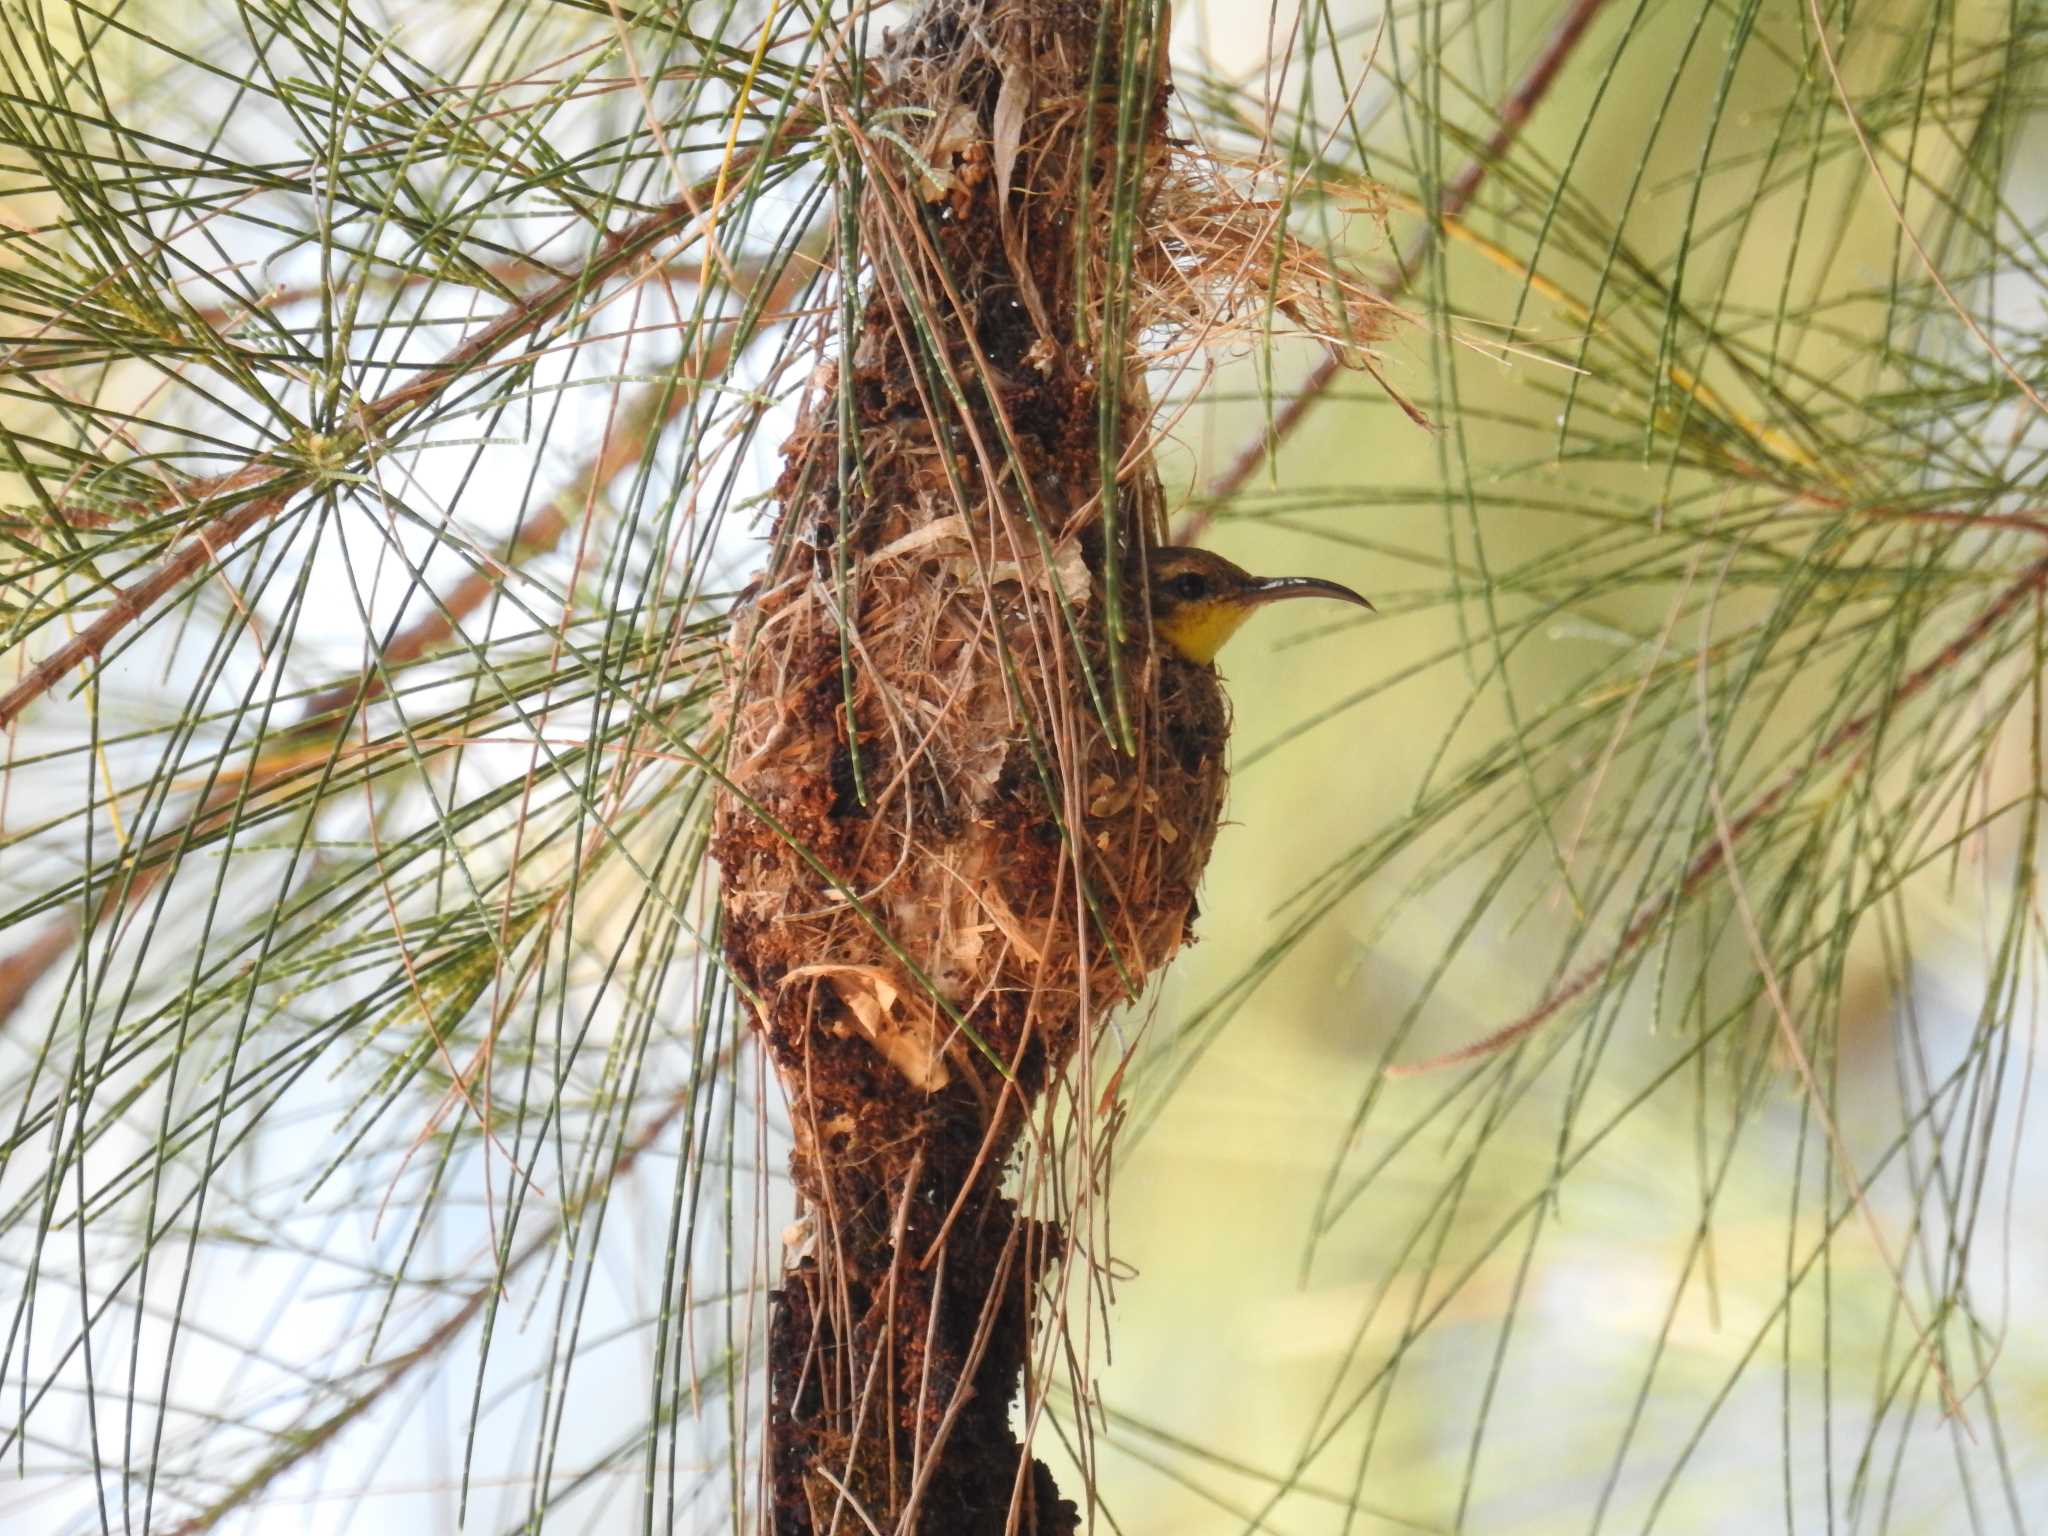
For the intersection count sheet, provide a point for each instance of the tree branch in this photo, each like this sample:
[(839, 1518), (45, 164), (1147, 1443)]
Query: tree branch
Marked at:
[(1515, 111), (272, 487), (1716, 852), (299, 1444), (538, 532)]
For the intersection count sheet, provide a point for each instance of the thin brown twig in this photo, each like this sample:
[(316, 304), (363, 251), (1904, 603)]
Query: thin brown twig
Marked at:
[(511, 274), (1515, 111), (1715, 852), (536, 534), (302, 1443), (271, 487), (1898, 212), (1788, 1032)]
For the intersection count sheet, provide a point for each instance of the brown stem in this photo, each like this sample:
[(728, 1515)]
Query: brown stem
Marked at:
[(537, 533), (1715, 853), (1515, 110), (316, 1439), (132, 602), (273, 486)]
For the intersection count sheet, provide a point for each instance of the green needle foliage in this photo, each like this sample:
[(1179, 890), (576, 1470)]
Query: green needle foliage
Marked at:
[(388, 395)]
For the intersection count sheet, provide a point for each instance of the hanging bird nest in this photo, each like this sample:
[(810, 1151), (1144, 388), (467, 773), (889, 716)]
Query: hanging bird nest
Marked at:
[(968, 799)]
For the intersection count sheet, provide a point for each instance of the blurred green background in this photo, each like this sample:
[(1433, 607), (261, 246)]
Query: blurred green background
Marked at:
[(1661, 1339)]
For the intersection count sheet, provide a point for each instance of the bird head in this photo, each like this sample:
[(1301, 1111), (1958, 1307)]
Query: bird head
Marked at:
[(1199, 599)]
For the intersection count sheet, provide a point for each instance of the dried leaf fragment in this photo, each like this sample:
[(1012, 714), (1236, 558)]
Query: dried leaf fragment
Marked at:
[(907, 1037)]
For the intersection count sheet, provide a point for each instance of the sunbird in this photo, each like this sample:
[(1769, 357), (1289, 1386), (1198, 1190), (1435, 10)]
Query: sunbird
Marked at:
[(1199, 599)]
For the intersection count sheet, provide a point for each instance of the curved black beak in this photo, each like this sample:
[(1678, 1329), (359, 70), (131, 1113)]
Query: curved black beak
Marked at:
[(1276, 588)]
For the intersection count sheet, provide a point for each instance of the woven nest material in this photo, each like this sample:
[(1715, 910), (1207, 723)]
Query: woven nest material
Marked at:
[(954, 892), (959, 825)]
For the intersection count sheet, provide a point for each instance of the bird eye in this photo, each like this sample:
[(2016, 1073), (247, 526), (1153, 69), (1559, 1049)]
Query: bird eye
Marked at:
[(1187, 586)]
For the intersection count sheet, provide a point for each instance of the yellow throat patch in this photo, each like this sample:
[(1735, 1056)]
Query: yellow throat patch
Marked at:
[(1199, 629), (1199, 599)]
